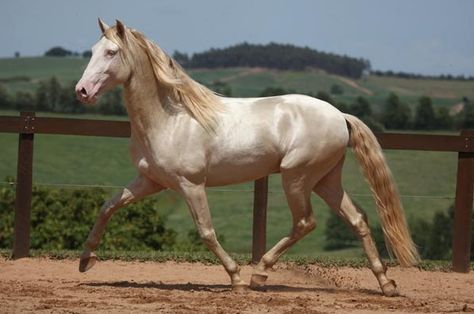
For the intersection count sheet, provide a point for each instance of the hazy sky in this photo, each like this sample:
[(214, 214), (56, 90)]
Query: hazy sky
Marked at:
[(421, 36)]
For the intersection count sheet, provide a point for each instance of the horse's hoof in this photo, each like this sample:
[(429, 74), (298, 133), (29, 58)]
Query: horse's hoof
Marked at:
[(240, 287), (87, 261), (258, 281), (390, 289)]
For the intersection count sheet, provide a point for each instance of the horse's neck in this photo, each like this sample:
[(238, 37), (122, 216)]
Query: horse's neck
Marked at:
[(145, 106)]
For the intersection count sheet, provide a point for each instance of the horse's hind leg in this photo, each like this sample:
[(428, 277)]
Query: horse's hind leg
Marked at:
[(195, 196), (330, 189), (298, 194), (136, 190)]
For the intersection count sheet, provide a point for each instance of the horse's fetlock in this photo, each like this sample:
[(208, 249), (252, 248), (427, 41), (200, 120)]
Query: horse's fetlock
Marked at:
[(360, 227)]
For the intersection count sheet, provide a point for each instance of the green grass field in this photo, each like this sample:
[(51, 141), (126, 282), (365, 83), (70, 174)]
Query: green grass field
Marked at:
[(425, 179)]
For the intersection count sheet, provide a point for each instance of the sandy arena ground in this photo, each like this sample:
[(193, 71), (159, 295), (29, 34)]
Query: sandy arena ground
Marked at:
[(49, 286)]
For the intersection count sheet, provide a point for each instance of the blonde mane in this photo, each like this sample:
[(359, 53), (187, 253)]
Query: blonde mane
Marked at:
[(200, 102)]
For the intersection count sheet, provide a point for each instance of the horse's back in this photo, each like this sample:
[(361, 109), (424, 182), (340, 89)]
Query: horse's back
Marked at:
[(258, 136), (288, 121)]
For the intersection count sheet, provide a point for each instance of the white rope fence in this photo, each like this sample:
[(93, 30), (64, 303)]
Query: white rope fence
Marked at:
[(219, 190)]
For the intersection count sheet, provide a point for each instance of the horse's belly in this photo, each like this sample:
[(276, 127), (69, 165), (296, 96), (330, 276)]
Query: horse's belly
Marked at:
[(241, 170)]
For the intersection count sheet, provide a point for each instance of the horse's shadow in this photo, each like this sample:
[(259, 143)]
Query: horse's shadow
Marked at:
[(223, 288)]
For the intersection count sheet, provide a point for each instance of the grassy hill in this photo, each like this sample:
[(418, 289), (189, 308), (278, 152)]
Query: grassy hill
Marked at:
[(25, 73), (427, 180)]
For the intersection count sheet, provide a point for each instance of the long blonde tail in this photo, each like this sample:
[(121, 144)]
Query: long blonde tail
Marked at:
[(375, 169)]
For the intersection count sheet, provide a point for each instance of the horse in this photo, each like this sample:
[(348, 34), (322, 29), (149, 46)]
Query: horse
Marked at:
[(186, 138)]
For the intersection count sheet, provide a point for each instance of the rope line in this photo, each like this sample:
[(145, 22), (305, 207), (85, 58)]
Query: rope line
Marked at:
[(68, 185)]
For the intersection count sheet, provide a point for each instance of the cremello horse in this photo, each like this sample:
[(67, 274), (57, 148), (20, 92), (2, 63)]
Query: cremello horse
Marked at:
[(185, 137)]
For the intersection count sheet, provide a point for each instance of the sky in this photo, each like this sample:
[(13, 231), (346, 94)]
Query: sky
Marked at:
[(429, 37)]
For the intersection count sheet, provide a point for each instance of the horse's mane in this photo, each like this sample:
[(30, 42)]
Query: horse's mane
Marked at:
[(200, 102)]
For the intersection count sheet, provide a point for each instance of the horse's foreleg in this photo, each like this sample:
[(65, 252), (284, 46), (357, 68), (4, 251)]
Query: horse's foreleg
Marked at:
[(195, 196), (136, 190), (331, 191), (303, 222)]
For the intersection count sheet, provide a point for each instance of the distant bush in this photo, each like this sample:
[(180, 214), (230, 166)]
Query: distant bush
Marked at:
[(273, 91), (338, 234), (337, 89), (58, 52)]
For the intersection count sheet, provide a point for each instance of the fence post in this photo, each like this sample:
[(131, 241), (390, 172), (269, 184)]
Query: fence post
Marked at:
[(260, 200), (21, 240), (463, 208)]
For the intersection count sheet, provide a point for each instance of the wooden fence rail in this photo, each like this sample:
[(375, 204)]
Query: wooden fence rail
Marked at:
[(27, 125)]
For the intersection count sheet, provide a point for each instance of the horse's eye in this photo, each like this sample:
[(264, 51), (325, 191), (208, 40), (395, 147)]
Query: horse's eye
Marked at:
[(111, 53)]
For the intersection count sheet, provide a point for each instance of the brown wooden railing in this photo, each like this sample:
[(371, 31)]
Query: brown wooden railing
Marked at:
[(27, 125)]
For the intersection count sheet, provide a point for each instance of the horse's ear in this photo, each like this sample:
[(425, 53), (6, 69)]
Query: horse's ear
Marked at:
[(103, 26), (120, 29)]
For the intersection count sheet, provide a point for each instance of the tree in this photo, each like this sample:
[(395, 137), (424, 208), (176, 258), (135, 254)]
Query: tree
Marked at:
[(58, 52), (24, 101), (467, 116), (221, 88), (273, 91), (361, 108), (111, 103), (42, 97), (54, 92), (325, 96), (5, 101), (396, 114), (424, 115), (181, 58), (337, 89), (338, 234), (68, 100), (443, 119), (87, 54)]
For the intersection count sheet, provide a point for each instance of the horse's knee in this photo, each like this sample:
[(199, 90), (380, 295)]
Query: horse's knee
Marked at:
[(305, 225), (208, 237)]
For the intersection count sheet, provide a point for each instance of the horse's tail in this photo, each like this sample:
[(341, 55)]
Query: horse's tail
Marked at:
[(375, 169)]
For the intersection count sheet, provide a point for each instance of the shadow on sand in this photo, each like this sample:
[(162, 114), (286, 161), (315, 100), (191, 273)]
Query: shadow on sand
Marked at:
[(223, 288)]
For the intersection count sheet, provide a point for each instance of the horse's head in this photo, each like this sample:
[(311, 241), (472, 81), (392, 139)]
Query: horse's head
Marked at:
[(107, 67)]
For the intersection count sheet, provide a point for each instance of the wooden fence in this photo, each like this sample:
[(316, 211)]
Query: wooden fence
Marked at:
[(27, 125)]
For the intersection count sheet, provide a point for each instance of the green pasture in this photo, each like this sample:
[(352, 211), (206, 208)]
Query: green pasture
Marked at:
[(425, 179), (23, 74)]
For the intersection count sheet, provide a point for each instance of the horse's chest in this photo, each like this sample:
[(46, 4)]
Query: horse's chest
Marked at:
[(152, 164)]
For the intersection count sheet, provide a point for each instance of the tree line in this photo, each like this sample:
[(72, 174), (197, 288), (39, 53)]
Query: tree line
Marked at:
[(275, 56), (51, 96), (395, 114), (59, 51), (406, 75)]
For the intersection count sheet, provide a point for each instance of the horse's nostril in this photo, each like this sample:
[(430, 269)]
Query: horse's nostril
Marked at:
[(83, 92)]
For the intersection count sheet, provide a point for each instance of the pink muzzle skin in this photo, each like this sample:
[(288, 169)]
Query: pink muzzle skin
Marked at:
[(86, 92)]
